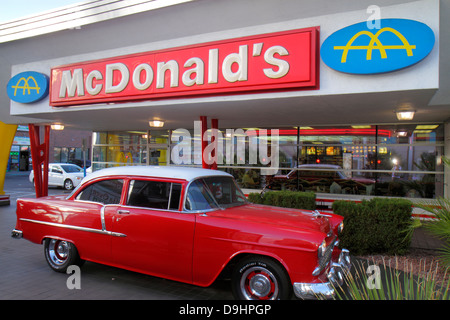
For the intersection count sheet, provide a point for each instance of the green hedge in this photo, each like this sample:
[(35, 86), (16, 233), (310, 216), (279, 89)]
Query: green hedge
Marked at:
[(286, 199), (376, 226)]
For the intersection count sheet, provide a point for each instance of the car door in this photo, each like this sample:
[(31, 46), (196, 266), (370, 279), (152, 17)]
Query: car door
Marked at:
[(56, 176), (92, 209), (159, 237), (51, 176)]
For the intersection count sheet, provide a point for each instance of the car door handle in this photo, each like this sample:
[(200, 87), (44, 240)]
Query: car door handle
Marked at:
[(123, 212)]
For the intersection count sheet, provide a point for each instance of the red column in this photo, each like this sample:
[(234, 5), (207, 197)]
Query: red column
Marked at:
[(214, 137), (40, 157), (203, 119)]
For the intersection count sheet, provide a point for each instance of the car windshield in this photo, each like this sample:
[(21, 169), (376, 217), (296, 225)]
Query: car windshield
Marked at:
[(212, 193), (71, 168)]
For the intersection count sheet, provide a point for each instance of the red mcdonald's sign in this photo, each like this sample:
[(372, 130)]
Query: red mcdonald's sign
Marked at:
[(276, 61)]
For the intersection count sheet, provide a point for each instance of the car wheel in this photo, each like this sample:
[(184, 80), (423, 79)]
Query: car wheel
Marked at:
[(260, 278), (61, 254), (68, 184)]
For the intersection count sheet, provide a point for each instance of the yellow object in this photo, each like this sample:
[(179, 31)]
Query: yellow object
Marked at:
[(375, 44), (7, 133)]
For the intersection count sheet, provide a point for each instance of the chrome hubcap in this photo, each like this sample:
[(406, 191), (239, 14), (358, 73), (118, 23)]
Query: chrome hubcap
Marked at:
[(58, 251), (258, 283)]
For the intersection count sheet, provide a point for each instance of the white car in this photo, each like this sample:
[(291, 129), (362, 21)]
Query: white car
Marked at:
[(64, 175)]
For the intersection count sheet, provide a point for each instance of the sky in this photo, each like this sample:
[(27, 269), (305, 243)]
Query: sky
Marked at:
[(13, 9)]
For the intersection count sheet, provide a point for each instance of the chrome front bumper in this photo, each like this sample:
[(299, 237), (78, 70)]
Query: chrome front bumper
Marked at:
[(326, 290)]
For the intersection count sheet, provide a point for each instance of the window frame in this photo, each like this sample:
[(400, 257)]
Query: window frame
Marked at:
[(77, 192), (127, 191), (205, 210)]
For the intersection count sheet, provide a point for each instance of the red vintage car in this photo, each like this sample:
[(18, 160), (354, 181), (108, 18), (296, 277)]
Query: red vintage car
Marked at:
[(190, 225)]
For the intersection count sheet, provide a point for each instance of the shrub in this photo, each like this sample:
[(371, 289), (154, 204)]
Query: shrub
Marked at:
[(285, 199), (376, 226)]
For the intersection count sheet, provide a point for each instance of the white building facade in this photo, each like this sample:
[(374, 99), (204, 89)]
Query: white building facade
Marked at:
[(321, 80)]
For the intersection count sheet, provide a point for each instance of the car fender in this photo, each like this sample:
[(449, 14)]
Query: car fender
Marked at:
[(216, 247)]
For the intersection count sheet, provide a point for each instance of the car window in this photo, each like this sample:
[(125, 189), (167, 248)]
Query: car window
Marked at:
[(214, 192), (225, 191), (199, 197), (71, 168), (56, 170), (154, 194), (105, 191)]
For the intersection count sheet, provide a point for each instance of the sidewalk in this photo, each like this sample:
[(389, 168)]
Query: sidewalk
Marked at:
[(17, 173)]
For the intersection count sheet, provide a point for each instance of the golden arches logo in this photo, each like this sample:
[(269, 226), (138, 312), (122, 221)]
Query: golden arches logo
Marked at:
[(26, 86), (122, 158), (375, 44)]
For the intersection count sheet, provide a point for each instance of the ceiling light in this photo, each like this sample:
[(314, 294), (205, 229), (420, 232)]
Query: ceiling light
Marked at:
[(405, 115), (427, 126), (57, 126), (156, 123)]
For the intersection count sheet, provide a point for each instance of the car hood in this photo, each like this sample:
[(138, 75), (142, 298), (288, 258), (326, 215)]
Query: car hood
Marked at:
[(276, 217)]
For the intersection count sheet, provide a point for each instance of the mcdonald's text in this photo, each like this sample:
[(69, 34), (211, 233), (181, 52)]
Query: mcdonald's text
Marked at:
[(275, 61)]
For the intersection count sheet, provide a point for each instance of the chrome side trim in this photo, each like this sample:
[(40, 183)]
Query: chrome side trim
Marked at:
[(102, 217), (59, 225)]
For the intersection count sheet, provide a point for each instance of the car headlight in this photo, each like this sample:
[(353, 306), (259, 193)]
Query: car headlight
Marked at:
[(322, 249), (322, 259)]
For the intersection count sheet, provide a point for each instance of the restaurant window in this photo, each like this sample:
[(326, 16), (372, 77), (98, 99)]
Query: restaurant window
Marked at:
[(133, 148), (409, 160), (383, 160), (69, 155)]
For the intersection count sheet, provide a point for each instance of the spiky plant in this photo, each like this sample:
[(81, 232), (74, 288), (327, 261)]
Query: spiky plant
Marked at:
[(393, 284)]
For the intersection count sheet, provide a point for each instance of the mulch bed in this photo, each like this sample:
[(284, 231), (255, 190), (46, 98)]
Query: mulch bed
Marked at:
[(420, 262)]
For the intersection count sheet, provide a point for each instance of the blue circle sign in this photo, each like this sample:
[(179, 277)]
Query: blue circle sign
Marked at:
[(28, 87), (361, 49)]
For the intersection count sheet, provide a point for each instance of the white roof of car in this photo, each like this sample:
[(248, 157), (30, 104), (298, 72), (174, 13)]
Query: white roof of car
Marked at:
[(185, 173)]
